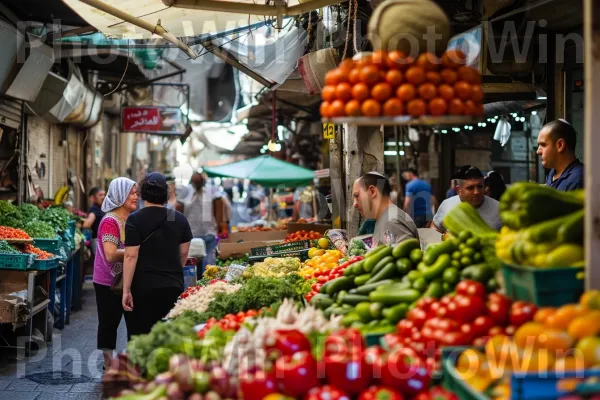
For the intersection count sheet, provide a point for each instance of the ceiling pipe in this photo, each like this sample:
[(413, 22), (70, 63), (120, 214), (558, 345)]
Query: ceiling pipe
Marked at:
[(155, 29), (279, 8)]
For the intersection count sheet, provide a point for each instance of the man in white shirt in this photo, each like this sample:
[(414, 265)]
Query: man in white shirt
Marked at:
[(470, 189)]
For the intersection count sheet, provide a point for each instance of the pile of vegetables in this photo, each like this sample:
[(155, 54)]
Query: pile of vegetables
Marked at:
[(273, 267), (41, 254), (320, 262), (29, 212), (231, 322), (543, 227), (466, 318), (57, 217), (302, 235), (541, 345), (357, 248), (254, 294), (198, 299), (375, 293), (8, 233), (6, 248), (326, 276), (10, 215), (231, 260), (39, 230)]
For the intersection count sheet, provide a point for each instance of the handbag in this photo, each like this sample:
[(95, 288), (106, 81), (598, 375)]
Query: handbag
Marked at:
[(117, 283)]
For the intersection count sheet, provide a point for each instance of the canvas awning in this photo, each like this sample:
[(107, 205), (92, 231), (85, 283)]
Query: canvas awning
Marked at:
[(266, 171)]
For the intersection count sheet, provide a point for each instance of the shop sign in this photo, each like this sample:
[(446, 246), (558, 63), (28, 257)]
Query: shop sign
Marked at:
[(328, 131), (156, 120)]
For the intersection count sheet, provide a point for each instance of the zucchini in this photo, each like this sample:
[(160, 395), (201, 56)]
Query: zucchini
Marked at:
[(375, 251), (480, 273), (362, 279), (432, 253), (321, 301), (371, 262), (338, 284), (376, 309), (404, 248), (394, 296), (324, 287), (350, 319), (363, 309), (403, 266), (435, 290), (420, 284), (368, 288), (354, 299), (385, 273)]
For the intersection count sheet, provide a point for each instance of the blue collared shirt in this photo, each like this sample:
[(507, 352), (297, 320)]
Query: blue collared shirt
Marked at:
[(570, 179)]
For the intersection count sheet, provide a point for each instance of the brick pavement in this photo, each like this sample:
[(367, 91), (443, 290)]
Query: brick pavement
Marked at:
[(71, 357)]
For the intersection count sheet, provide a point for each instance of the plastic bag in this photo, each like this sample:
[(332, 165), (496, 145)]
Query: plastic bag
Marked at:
[(339, 238)]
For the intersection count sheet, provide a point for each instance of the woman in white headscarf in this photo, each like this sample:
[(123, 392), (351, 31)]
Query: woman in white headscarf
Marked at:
[(120, 201)]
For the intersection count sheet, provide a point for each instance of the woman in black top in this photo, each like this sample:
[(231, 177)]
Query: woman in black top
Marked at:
[(157, 241)]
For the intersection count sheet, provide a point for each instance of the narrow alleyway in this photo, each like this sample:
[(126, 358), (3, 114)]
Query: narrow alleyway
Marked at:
[(70, 367)]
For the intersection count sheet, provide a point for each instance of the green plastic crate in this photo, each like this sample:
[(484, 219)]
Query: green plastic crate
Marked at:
[(545, 287), (452, 381), (19, 262), (49, 245), (45, 265)]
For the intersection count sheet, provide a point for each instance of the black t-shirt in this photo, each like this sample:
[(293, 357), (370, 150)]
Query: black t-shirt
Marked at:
[(94, 209), (159, 263)]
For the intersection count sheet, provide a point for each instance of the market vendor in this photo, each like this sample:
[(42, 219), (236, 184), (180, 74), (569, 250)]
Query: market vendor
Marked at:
[(556, 146), (371, 194), (470, 188)]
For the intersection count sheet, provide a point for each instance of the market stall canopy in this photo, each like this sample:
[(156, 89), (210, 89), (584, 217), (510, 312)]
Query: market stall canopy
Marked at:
[(266, 171)]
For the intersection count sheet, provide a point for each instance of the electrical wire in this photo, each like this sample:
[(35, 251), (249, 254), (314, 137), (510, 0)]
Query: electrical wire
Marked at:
[(122, 77)]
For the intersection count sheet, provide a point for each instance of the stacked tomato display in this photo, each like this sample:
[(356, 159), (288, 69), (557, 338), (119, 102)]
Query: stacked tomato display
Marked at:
[(469, 317), (231, 322), (393, 84)]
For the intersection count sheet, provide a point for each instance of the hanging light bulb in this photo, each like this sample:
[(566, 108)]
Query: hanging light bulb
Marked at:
[(272, 146)]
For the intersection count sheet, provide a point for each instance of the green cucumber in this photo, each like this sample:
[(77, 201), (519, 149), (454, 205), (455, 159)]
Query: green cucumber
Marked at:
[(422, 267), (435, 290), (385, 273), (354, 299), (572, 230), (372, 261), (414, 275), (395, 296), (368, 288), (451, 276), (375, 251), (385, 261), (325, 286), (433, 252), (361, 279), (437, 269), (376, 309), (416, 255), (350, 319), (394, 314), (404, 248), (479, 272), (420, 284), (338, 284), (321, 301), (403, 266), (363, 309)]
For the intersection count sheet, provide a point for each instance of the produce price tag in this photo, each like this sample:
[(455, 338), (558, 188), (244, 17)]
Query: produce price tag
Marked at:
[(233, 271), (328, 131)]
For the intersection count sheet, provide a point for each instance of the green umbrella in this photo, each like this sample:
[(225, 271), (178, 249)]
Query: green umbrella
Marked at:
[(266, 171)]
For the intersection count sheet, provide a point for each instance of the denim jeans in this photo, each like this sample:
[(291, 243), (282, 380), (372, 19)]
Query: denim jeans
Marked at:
[(210, 243)]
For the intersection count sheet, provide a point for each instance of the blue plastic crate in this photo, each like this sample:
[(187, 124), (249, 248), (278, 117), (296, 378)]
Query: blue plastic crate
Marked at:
[(49, 245), (45, 265), (546, 287), (19, 262), (533, 386)]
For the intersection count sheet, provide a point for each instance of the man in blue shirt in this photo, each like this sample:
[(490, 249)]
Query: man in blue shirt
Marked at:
[(418, 199), (556, 146)]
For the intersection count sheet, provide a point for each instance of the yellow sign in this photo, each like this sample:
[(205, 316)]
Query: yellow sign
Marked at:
[(328, 131)]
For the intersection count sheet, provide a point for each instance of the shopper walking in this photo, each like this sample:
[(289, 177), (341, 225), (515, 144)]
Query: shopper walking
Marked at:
[(95, 215), (120, 201), (157, 242), (419, 201), (205, 210)]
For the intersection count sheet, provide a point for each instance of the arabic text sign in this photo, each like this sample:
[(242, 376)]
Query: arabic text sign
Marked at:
[(159, 120)]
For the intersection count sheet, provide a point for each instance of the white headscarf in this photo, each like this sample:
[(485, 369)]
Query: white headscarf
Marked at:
[(118, 191)]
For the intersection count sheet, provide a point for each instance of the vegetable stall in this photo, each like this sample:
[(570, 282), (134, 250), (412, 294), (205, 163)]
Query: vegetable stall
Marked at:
[(398, 321)]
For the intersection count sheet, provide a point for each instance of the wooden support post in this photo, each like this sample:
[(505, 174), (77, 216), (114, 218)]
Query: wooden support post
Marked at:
[(337, 178), (591, 28), (363, 152)]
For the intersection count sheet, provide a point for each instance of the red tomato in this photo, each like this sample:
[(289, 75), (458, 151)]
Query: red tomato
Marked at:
[(433, 309), (327, 392), (455, 339), (380, 393), (468, 332), (510, 330), (446, 300), (521, 312), (498, 307), (416, 337), (229, 316), (442, 312), (471, 288), (322, 279), (405, 372), (405, 327), (482, 325), (417, 316), (425, 303), (468, 307)]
